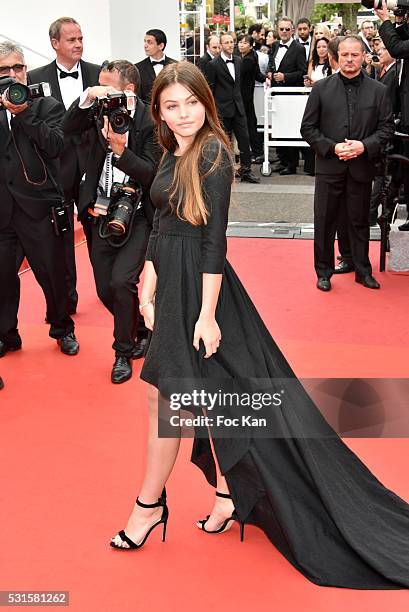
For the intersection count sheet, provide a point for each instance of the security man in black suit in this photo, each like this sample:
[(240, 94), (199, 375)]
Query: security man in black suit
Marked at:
[(212, 51), (154, 44), (286, 68), (347, 121), (113, 158), (223, 75), (68, 76), (31, 140)]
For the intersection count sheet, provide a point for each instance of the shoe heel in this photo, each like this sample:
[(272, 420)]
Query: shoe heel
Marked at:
[(164, 530), (241, 532)]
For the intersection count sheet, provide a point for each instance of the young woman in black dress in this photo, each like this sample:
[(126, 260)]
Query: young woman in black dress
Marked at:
[(312, 496)]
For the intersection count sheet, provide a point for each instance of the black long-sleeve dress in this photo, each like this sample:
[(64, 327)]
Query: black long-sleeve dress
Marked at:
[(312, 496)]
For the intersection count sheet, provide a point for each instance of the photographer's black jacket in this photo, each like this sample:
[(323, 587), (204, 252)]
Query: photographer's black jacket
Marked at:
[(38, 139), (139, 160), (396, 40)]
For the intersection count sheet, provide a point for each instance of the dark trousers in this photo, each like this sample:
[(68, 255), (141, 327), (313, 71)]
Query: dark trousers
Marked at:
[(116, 273), (288, 157), (256, 139), (339, 198), (68, 239), (237, 125), (45, 254)]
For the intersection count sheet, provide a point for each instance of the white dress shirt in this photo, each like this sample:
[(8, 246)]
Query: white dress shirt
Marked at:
[(306, 46), (281, 52), (158, 67), (70, 88), (230, 65)]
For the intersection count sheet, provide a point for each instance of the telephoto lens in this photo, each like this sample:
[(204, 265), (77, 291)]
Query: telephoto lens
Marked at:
[(391, 4), (17, 94)]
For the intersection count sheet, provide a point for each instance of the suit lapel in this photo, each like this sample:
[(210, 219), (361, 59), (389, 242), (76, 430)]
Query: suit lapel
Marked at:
[(52, 78), (85, 75), (224, 67)]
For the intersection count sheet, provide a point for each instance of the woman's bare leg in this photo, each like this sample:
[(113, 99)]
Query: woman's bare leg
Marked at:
[(161, 457), (223, 508)]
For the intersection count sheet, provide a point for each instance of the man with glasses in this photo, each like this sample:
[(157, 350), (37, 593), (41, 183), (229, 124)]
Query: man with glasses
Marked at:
[(68, 76), (286, 68), (31, 140)]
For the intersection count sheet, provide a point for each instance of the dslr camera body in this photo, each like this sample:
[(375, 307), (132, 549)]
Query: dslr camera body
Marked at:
[(17, 93), (117, 107)]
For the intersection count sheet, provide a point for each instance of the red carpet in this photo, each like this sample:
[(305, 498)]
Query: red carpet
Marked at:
[(72, 450)]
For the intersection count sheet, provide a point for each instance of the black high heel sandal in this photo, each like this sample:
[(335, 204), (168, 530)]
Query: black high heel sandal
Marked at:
[(163, 520), (225, 523)]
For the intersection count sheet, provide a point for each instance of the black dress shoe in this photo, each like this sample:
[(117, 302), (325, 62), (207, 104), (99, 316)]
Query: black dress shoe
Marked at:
[(5, 348), (287, 171), (121, 370), (1, 383), (141, 346), (367, 281), (324, 284), (344, 267), (248, 177), (257, 159), (69, 344)]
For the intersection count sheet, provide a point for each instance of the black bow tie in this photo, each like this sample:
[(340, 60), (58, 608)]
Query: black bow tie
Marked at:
[(285, 46), (64, 74), (306, 44), (161, 63), (229, 61)]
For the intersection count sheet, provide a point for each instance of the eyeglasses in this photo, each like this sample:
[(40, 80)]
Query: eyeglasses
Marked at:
[(16, 68), (285, 29)]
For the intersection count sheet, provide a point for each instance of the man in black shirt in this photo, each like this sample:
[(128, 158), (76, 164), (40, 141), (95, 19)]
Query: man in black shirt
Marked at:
[(347, 121)]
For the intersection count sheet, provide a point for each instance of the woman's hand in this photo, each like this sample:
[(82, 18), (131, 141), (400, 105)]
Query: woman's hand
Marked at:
[(207, 329), (148, 313)]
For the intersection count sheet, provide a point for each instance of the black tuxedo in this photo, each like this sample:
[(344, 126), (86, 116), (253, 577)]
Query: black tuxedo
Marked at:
[(396, 40), (72, 160), (203, 61), (249, 74), (117, 270), (293, 65), (148, 76), (229, 103), (344, 188), (31, 157)]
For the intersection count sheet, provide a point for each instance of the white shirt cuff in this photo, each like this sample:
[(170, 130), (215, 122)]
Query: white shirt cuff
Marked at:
[(85, 102)]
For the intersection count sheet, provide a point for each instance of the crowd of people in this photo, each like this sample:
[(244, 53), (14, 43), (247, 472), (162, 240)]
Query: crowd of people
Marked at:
[(56, 155), (151, 178)]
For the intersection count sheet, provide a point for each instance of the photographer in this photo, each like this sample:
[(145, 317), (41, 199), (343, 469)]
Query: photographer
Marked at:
[(117, 158), (31, 140), (396, 40)]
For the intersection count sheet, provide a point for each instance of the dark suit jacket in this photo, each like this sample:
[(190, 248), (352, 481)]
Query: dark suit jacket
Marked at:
[(226, 90), (293, 65), (249, 74), (139, 160), (148, 75), (390, 80), (396, 40), (39, 137), (72, 158), (325, 123), (203, 61)]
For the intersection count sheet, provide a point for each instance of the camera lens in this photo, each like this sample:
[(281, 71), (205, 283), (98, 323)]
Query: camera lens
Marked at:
[(17, 94), (119, 120)]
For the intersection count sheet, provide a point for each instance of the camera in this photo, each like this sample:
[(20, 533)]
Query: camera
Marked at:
[(118, 210), (375, 58), (117, 107), (18, 93)]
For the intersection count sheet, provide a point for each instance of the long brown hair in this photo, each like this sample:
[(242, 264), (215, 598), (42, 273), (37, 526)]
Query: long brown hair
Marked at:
[(186, 187)]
